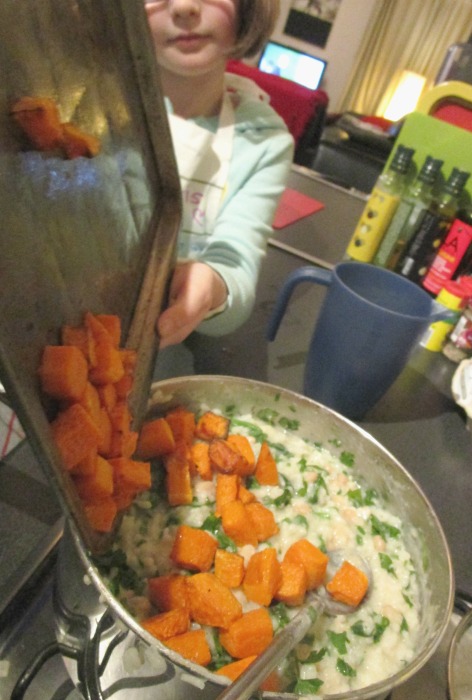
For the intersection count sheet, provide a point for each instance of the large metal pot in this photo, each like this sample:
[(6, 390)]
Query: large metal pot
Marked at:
[(114, 656)]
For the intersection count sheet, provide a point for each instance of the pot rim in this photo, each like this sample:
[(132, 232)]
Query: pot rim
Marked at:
[(375, 690)]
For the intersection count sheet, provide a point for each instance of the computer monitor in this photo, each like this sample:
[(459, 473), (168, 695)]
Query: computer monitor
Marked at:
[(292, 64)]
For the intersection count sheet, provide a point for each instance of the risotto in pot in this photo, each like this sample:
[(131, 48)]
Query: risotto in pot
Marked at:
[(233, 497)]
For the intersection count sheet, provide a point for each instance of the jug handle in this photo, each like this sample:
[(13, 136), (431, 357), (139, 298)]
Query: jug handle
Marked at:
[(441, 313), (308, 273)]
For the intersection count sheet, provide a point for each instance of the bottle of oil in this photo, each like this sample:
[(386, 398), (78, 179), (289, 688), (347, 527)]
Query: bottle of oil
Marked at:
[(433, 228), (415, 200), (380, 207)]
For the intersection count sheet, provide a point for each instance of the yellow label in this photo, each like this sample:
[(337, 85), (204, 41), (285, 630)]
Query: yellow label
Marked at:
[(372, 225)]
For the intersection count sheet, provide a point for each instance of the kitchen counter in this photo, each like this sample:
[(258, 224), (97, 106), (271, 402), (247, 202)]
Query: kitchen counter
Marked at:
[(417, 420)]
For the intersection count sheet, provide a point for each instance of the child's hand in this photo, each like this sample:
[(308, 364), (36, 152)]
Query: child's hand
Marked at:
[(195, 290)]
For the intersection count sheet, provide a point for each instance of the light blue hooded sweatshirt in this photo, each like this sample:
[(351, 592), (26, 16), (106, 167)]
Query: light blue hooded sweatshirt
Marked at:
[(261, 159)]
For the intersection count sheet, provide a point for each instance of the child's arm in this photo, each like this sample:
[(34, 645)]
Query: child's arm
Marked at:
[(196, 290), (239, 241)]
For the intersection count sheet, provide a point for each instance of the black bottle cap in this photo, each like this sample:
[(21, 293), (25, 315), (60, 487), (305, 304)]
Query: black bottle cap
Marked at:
[(456, 182), (430, 170), (402, 159)]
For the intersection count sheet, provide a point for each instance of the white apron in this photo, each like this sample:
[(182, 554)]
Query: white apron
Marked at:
[(203, 160)]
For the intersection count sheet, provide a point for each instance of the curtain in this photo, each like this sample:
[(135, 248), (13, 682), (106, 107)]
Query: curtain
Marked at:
[(404, 35)]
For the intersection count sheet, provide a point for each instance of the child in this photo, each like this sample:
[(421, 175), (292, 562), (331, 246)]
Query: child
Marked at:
[(233, 154)]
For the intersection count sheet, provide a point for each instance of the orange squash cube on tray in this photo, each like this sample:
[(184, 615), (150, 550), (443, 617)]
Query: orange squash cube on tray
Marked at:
[(75, 435), (63, 372), (101, 515), (93, 423), (40, 120)]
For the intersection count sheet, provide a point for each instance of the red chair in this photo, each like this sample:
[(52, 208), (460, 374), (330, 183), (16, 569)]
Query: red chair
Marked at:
[(302, 109)]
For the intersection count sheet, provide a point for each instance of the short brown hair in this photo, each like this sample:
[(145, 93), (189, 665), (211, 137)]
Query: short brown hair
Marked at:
[(257, 20)]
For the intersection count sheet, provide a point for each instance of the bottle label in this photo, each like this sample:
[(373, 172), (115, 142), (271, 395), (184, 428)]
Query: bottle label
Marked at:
[(423, 245), (437, 333), (372, 225), (449, 256), (392, 233), (411, 225)]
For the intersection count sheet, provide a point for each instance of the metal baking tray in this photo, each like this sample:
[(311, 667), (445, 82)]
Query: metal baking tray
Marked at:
[(87, 234)]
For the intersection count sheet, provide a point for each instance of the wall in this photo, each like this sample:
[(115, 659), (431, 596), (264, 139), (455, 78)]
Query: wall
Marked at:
[(342, 47)]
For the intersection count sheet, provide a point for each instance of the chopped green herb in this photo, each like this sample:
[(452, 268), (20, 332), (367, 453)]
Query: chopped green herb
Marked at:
[(347, 458), (385, 530), (280, 615), (359, 630), (360, 535), (380, 628), (172, 519), (284, 499), (407, 600), (301, 520), (387, 563), (281, 449), (319, 484), (339, 640), (308, 687), (315, 656), (302, 491), (252, 482), (220, 656), (213, 524), (359, 499), (344, 668), (404, 626), (268, 415), (253, 430), (288, 424)]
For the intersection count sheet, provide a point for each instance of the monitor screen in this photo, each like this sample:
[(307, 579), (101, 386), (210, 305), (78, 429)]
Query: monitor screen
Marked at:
[(292, 64)]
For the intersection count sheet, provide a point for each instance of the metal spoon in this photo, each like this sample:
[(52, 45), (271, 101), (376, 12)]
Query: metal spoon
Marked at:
[(316, 603)]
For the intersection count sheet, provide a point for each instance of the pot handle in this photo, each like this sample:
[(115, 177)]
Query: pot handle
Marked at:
[(308, 273)]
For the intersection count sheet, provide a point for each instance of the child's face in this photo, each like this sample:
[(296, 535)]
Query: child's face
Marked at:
[(192, 36)]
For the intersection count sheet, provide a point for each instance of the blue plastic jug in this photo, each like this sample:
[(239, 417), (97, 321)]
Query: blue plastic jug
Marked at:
[(370, 321)]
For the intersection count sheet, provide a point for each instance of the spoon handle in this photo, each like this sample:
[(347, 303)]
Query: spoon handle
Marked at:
[(283, 642)]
